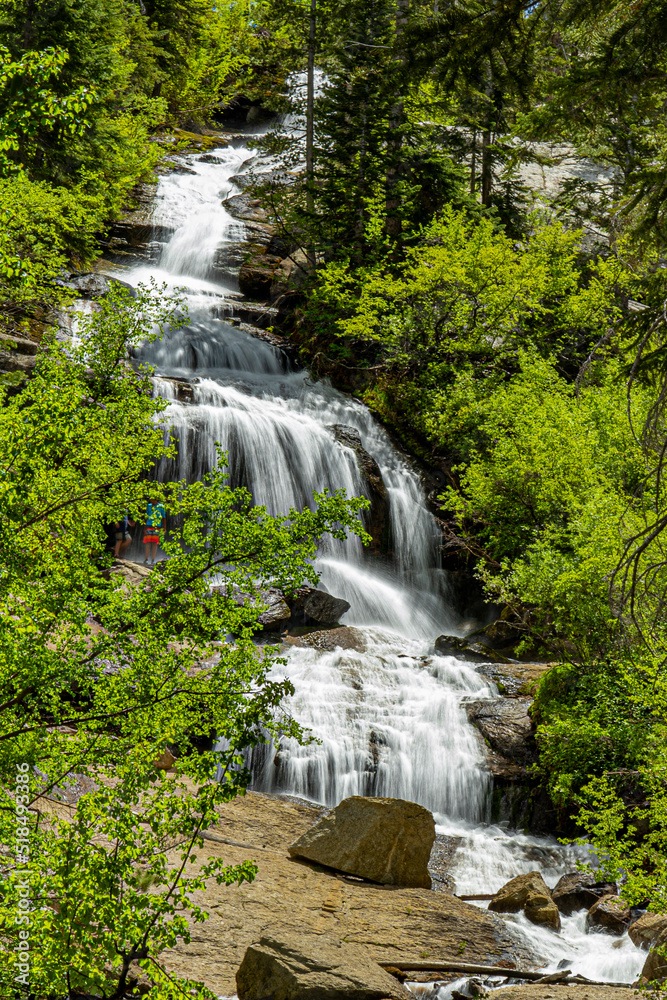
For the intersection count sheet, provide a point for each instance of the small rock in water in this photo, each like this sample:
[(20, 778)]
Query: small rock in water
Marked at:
[(345, 637), (381, 839)]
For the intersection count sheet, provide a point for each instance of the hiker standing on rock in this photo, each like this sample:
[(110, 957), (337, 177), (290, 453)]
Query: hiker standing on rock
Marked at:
[(155, 517)]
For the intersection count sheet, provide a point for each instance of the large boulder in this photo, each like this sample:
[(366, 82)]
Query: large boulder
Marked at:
[(655, 966), (378, 518), (277, 611), (646, 931), (384, 840), (528, 893), (609, 915), (312, 967), (579, 891), (316, 607)]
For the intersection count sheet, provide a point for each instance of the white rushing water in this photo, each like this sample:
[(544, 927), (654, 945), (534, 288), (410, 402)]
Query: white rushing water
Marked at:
[(391, 719)]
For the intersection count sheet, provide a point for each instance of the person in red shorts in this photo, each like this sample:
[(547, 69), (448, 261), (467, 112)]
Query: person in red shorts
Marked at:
[(155, 516)]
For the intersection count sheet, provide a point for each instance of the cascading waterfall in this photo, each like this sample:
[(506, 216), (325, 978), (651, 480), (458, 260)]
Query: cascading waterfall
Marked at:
[(390, 718)]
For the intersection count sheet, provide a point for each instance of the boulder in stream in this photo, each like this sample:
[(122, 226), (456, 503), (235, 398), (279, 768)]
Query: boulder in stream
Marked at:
[(655, 966), (645, 931), (313, 606), (277, 611), (312, 967), (381, 839), (579, 891), (610, 914), (528, 893)]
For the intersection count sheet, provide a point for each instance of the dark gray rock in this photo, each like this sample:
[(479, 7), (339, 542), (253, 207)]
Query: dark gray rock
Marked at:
[(579, 891), (377, 519), (256, 276), (468, 649), (311, 606), (506, 727)]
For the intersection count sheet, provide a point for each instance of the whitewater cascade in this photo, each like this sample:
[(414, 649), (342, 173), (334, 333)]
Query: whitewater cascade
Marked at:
[(390, 719)]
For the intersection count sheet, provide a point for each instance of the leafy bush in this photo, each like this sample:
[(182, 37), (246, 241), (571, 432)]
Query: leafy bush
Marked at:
[(549, 491), (592, 719), (98, 676), (42, 229)]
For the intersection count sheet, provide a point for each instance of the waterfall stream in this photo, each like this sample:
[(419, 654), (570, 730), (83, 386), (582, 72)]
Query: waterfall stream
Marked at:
[(391, 719)]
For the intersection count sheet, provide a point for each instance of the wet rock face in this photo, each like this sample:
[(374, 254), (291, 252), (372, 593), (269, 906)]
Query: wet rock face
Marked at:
[(468, 649), (609, 915), (579, 891), (377, 521), (528, 893), (381, 839), (244, 206), (506, 727), (312, 967)]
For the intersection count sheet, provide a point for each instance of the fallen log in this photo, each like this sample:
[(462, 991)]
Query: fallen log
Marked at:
[(481, 896), (454, 966), (560, 978)]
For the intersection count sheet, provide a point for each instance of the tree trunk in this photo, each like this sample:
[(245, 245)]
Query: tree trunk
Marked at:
[(487, 174), (394, 222), (310, 125), (473, 164)]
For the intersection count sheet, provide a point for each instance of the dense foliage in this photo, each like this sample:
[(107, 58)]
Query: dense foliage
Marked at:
[(99, 676), (88, 90)]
